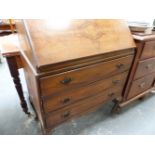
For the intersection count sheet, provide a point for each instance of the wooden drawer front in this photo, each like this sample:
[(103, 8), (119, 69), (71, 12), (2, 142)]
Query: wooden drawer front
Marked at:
[(149, 50), (82, 106), (145, 67), (141, 85), (84, 76), (66, 98)]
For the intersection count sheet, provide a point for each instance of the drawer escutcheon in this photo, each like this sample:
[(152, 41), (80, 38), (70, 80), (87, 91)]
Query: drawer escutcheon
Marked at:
[(120, 66), (66, 100), (115, 82), (66, 80), (142, 85)]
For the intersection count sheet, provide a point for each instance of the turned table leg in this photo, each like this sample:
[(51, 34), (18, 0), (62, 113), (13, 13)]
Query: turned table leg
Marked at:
[(13, 67)]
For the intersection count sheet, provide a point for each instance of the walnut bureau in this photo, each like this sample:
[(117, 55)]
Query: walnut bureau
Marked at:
[(74, 68), (142, 77)]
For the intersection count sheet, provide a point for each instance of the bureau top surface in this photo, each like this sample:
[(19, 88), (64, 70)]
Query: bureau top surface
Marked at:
[(54, 41)]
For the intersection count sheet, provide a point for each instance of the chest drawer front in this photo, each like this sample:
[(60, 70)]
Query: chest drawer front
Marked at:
[(67, 98), (84, 76), (82, 106), (149, 50), (145, 67), (141, 85)]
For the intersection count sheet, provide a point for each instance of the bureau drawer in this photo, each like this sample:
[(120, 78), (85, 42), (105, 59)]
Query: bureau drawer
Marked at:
[(83, 106), (148, 50), (141, 85), (145, 67), (84, 76), (66, 98)]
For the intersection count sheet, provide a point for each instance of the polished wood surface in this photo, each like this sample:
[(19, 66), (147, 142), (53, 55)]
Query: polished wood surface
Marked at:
[(141, 85), (75, 70), (71, 96), (145, 67), (148, 51), (83, 76), (81, 39), (9, 45), (82, 107), (34, 91)]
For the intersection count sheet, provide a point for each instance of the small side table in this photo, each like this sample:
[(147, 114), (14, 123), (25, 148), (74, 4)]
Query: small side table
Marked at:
[(11, 52)]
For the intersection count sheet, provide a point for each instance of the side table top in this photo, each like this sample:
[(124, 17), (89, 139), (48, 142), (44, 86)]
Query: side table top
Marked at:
[(9, 45)]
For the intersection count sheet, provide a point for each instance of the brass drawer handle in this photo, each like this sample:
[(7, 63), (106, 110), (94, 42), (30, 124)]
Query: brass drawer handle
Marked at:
[(66, 114), (120, 66), (142, 85), (111, 94), (115, 82), (66, 100), (66, 80)]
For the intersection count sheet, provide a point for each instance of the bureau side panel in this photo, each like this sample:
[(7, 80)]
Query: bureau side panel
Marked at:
[(34, 93), (132, 70)]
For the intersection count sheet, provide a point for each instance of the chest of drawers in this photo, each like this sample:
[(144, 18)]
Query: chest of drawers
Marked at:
[(76, 69), (142, 77)]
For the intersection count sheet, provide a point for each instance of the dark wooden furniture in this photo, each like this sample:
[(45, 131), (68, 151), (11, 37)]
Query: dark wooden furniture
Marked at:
[(142, 77), (12, 54), (74, 69)]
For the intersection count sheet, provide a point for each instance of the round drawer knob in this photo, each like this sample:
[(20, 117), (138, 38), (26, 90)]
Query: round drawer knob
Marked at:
[(66, 80)]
